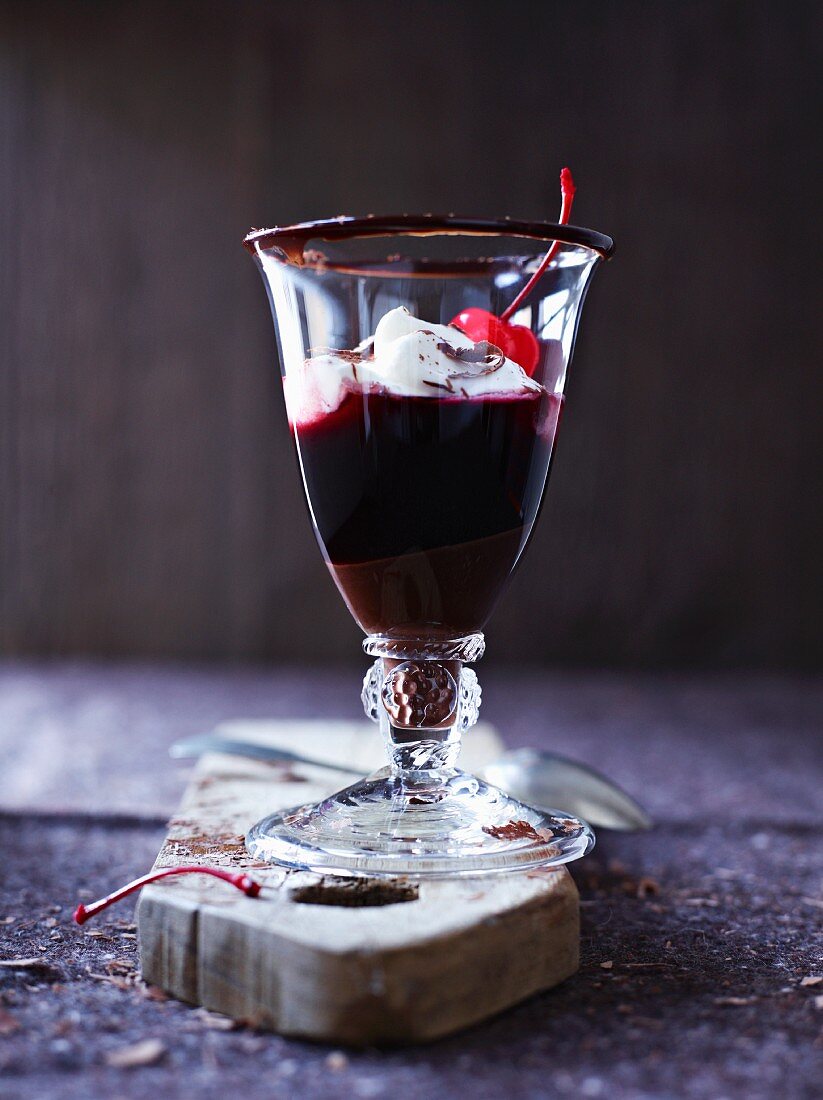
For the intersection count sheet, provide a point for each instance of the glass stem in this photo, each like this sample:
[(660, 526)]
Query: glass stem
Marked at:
[(417, 755)]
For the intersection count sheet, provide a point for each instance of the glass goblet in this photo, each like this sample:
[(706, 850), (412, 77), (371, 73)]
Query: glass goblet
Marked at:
[(424, 448)]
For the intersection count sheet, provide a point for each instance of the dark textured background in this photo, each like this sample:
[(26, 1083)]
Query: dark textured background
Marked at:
[(149, 502)]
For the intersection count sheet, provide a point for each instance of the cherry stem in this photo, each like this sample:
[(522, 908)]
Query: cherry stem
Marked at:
[(238, 879), (567, 190)]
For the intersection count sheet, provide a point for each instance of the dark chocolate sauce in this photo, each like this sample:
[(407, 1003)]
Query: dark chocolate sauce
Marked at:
[(423, 505)]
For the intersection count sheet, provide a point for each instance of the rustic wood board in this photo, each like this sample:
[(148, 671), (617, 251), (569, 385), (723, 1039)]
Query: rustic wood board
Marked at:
[(316, 957)]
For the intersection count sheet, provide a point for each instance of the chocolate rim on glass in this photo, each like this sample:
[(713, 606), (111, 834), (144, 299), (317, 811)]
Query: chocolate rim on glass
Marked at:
[(424, 448)]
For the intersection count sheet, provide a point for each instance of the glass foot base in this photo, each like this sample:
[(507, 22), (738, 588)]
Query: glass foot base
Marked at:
[(435, 826)]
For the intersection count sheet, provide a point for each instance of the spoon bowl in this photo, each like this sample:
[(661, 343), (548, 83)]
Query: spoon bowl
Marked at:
[(544, 780)]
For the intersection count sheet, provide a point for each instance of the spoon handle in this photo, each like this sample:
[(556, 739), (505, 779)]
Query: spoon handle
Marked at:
[(210, 742)]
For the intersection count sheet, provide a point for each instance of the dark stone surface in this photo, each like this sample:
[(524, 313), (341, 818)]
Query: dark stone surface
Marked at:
[(664, 1019), (710, 922)]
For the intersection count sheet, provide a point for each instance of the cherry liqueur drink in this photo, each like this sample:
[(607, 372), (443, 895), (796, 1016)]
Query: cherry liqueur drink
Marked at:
[(424, 363)]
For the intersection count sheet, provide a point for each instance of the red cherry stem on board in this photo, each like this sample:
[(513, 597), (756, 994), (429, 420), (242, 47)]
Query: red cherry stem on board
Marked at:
[(236, 878), (567, 190)]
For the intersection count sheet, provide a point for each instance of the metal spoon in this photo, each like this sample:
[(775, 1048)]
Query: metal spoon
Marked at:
[(541, 779), (546, 780)]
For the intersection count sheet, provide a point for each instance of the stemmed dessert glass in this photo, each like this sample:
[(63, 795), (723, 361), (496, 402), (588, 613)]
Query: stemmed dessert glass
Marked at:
[(424, 448)]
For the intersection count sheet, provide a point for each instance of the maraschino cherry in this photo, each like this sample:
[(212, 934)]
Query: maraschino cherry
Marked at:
[(516, 341)]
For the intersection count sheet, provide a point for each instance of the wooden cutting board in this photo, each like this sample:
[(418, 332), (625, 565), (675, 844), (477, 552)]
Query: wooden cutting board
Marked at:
[(346, 961)]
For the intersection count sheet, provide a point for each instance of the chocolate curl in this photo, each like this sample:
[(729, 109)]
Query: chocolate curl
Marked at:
[(484, 354)]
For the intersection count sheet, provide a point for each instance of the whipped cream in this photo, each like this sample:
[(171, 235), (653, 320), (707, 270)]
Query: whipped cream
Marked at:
[(406, 357)]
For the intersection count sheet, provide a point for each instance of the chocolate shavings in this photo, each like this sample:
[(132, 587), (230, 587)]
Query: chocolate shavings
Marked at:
[(346, 355), (485, 355)]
